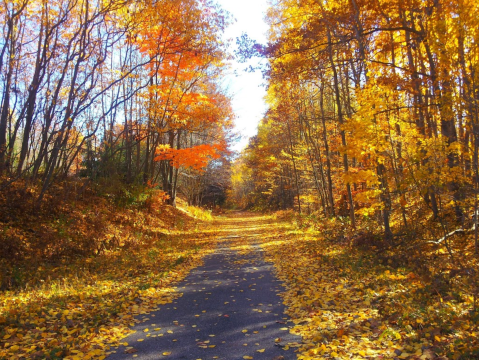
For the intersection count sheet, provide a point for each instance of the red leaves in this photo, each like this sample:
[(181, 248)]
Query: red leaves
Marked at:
[(196, 157)]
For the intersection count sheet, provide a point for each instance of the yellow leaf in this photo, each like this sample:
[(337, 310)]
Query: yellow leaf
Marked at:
[(166, 353), (260, 350), (246, 357)]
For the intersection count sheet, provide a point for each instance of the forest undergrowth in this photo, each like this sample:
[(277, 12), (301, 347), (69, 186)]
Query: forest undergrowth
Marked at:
[(76, 270)]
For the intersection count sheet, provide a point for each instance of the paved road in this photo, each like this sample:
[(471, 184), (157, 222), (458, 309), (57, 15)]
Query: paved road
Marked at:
[(230, 309)]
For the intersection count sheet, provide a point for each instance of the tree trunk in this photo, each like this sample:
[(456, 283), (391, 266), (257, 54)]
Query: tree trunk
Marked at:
[(341, 122)]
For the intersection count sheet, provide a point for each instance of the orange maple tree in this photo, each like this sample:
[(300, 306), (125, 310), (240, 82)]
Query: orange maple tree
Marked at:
[(195, 157)]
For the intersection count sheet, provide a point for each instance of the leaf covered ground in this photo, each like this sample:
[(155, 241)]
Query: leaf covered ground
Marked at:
[(82, 271), (346, 302)]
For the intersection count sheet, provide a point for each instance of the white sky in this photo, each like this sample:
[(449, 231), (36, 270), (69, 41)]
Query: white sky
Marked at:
[(246, 89)]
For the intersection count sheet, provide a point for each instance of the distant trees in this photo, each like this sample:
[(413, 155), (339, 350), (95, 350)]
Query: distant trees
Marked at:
[(97, 88)]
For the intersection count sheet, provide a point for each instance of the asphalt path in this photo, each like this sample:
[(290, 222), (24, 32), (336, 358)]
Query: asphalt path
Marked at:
[(230, 309)]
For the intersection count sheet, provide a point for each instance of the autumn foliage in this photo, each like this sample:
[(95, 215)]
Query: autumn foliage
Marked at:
[(196, 157), (94, 89), (369, 149), (371, 134), (90, 91)]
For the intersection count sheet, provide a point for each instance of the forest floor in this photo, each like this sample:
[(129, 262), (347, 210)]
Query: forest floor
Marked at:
[(339, 302)]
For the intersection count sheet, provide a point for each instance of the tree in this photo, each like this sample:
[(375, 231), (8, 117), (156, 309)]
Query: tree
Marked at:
[(73, 71), (374, 116)]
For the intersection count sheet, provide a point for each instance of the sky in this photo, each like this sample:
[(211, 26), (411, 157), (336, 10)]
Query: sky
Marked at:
[(245, 88)]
